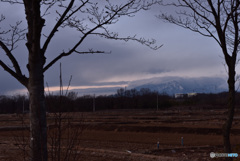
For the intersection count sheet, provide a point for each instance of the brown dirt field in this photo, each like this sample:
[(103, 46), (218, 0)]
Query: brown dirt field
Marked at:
[(132, 135)]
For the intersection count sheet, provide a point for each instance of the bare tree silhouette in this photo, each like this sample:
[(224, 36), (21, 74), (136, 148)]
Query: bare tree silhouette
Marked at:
[(218, 20), (87, 17)]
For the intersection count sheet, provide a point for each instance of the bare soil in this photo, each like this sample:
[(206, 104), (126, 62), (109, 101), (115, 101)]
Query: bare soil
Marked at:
[(133, 135)]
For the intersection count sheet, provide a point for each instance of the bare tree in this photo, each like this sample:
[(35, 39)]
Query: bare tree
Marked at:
[(64, 133), (87, 17), (217, 19)]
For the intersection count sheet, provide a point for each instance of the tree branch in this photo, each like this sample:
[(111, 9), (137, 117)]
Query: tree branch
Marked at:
[(210, 19), (2, 18), (55, 28), (114, 36), (91, 51), (12, 1), (12, 58), (64, 17), (218, 19), (235, 16), (70, 51), (100, 19), (187, 24), (21, 78)]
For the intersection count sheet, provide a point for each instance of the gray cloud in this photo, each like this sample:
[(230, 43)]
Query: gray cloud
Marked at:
[(8, 83), (183, 53)]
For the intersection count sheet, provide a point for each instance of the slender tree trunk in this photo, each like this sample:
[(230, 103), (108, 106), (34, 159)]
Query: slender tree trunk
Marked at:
[(231, 105)]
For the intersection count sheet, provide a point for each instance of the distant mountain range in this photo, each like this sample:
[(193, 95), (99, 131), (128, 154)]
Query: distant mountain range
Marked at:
[(173, 85), (168, 85)]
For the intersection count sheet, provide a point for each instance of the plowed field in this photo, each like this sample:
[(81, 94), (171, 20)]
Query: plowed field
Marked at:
[(136, 135)]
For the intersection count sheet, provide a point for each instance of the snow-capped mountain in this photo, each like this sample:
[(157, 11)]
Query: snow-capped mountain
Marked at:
[(172, 85), (168, 85)]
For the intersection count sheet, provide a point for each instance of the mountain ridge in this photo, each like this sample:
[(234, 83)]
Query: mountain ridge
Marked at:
[(173, 85), (168, 85)]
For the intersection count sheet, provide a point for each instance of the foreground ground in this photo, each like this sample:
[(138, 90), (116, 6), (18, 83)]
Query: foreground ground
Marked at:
[(133, 135)]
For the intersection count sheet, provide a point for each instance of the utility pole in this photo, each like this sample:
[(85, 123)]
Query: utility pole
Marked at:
[(93, 102), (157, 101), (23, 106)]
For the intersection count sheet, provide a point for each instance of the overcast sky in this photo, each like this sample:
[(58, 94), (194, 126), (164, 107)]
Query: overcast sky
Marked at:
[(183, 53)]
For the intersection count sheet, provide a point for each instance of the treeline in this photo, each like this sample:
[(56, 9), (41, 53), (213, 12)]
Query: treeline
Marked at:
[(123, 99), (14, 104)]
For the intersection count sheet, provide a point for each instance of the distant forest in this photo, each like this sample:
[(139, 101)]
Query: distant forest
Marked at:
[(123, 99)]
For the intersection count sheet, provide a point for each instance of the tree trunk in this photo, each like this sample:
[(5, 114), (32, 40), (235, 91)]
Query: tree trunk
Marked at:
[(231, 105), (36, 61), (38, 130)]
